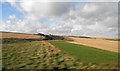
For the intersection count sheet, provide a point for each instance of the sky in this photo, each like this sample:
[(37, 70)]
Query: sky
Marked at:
[(88, 18)]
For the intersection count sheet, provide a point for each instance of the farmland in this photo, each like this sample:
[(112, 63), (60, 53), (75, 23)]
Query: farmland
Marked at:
[(100, 43), (33, 55), (20, 53), (38, 55), (18, 35), (85, 53)]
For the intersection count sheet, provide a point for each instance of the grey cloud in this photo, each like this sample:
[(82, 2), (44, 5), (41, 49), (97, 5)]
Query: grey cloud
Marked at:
[(47, 9), (70, 18)]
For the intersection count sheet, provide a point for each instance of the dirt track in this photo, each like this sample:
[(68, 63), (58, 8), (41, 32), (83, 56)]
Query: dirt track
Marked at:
[(109, 45), (18, 35)]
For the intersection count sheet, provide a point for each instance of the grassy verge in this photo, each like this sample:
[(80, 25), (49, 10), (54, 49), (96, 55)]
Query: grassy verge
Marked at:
[(85, 53)]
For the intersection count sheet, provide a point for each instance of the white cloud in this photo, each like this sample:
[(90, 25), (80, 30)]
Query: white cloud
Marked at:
[(12, 17), (68, 18), (45, 9), (89, 8), (2, 25)]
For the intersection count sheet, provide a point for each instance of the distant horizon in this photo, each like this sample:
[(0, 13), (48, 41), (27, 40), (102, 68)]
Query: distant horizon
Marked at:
[(15, 32)]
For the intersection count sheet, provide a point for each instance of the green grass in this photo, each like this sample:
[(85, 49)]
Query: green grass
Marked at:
[(20, 55), (85, 53), (41, 54), (32, 55)]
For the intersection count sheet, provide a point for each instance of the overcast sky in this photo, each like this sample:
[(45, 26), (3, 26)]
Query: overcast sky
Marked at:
[(97, 19)]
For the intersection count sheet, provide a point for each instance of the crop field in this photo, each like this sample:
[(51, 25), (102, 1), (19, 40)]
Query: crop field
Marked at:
[(61, 55), (18, 35), (87, 54), (34, 55), (100, 43), (30, 53)]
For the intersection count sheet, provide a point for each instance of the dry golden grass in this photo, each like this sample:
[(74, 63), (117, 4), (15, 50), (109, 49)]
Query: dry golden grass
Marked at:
[(18, 35), (109, 45)]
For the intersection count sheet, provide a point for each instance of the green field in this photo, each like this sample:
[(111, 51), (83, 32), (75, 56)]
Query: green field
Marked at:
[(28, 54), (33, 55), (20, 55), (85, 53)]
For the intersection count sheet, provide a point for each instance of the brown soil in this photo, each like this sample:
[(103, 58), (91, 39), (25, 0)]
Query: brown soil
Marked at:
[(109, 45), (18, 35)]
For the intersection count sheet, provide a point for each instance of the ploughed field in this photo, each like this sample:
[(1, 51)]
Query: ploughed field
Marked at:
[(29, 54)]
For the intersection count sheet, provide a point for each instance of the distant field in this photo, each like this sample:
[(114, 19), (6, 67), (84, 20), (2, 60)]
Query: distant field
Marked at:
[(18, 35), (104, 44), (85, 53)]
